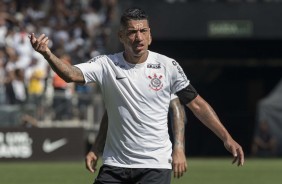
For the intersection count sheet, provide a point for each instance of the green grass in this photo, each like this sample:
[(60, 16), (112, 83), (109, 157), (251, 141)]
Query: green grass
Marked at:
[(200, 171)]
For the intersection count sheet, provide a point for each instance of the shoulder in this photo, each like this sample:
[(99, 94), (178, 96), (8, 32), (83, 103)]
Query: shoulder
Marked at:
[(106, 58), (117, 57), (97, 59), (163, 59)]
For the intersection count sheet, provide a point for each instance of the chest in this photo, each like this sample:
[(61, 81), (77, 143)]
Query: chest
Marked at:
[(144, 78)]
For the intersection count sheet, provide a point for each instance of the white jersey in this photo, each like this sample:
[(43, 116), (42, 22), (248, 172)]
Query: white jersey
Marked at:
[(137, 98)]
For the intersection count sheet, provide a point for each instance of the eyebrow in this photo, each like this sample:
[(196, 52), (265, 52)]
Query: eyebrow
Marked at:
[(132, 28)]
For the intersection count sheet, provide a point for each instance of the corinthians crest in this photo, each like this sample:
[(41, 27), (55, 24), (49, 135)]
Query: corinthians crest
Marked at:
[(156, 83)]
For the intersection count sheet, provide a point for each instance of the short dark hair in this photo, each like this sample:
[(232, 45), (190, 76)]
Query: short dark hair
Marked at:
[(133, 14)]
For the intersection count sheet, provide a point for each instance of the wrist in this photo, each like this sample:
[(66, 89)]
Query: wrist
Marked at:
[(47, 54), (178, 147), (226, 138), (96, 150)]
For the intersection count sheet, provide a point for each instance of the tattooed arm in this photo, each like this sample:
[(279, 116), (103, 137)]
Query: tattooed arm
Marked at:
[(66, 71), (205, 113), (179, 163)]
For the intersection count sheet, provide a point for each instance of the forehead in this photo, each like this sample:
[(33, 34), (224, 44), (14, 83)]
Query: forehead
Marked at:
[(137, 24)]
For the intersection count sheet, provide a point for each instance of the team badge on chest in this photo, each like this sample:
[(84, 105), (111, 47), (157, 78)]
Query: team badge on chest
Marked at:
[(156, 81)]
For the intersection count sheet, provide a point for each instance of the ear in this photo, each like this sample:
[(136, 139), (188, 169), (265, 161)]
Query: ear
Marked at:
[(120, 36), (150, 39)]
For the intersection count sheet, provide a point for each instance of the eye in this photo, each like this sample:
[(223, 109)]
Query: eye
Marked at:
[(144, 30), (131, 32)]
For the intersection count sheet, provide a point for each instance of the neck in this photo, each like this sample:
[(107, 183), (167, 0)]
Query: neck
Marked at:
[(136, 59)]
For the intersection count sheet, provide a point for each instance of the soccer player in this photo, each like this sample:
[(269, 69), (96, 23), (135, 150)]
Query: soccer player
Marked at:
[(136, 85)]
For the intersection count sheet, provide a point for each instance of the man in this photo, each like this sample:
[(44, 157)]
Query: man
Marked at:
[(136, 86), (178, 154)]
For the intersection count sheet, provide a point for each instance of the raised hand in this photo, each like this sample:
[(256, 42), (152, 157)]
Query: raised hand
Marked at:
[(39, 44)]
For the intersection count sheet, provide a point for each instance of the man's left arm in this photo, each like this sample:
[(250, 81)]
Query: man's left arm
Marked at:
[(179, 162), (205, 113)]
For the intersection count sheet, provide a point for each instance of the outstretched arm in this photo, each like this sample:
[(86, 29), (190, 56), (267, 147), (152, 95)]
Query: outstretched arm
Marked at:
[(98, 145), (66, 71), (205, 113), (179, 162)]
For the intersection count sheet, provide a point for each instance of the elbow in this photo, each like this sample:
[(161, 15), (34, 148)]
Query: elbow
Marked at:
[(71, 78), (195, 104), (198, 105), (195, 108), (68, 80)]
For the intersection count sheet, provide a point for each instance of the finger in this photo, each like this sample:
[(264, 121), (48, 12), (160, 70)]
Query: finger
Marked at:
[(185, 166), (234, 160), (32, 38), (89, 163), (175, 169), (179, 171), (234, 153), (41, 37), (176, 175), (44, 40), (94, 165), (39, 40), (241, 157)]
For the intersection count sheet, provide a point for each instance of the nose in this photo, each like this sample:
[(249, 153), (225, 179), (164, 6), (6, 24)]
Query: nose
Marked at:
[(139, 36)]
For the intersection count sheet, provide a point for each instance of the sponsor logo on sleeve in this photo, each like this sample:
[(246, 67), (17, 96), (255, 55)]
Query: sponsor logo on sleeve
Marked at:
[(180, 71)]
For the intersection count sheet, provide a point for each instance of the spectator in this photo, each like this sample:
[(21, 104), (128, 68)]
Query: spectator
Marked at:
[(2, 76), (72, 29), (63, 91), (264, 143), (18, 88)]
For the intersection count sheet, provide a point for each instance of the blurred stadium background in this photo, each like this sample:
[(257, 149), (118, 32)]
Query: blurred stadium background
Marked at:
[(231, 50)]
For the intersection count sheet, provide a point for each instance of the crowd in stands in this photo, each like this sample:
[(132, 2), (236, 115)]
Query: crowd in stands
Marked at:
[(78, 29)]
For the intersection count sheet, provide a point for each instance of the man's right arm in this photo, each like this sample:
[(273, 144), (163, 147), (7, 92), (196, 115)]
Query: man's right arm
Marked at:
[(67, 72), (179, 163), (99, 143), (92, 156)]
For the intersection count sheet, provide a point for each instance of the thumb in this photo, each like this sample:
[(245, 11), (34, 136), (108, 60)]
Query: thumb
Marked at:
[(32, 38), (233, 151), (89, 164)]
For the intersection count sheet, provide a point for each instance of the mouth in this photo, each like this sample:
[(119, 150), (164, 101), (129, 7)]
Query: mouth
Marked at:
[(139, 46)]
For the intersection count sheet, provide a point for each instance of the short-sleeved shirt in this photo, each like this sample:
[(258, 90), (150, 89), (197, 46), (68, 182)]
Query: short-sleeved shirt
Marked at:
[(137, 98)]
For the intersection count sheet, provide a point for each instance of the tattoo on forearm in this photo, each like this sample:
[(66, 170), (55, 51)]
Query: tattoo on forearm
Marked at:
[(65, 71), (178, 123), (179, 138)]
